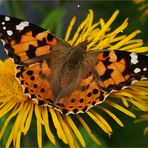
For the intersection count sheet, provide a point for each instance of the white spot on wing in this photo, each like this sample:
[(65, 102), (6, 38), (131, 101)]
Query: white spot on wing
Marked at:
[(143, 78), (22, 25), (7, 18), (46, 105), (137, 70), (134, 81), (145, 69), (3, 23), (124, 87), (4, 28), (9, 32), (134, 58), (34, 100)]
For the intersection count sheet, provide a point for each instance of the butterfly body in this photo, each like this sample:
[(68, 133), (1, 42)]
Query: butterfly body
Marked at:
[(71, 70), (70, 79)]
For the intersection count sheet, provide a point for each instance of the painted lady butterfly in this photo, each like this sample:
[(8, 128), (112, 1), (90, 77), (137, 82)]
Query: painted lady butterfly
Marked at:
[(70, 79)]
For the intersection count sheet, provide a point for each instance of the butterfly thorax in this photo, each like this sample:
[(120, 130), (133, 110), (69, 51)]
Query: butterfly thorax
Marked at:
[(76, 55)]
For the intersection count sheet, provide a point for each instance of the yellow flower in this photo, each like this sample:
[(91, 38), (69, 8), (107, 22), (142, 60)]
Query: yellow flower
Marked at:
[(14, 105)]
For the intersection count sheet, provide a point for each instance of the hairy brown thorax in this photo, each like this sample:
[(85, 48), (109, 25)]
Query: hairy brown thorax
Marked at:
[(68, 74)]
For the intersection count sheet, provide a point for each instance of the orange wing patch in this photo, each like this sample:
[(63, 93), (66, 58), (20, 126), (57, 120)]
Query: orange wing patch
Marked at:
[(30, 47), (35, 82), (81, 100)]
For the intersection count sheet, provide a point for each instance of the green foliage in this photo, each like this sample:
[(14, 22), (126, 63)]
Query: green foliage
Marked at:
[(53, 19), (15, 8)]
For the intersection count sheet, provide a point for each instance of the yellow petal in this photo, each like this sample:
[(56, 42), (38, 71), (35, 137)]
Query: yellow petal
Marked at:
[(46, 125), (39, 133), (11, 115), (9, 140), (108, 127), (58, 126), (112, 115), (124, 101), (88, 130), (98, 122), (125, 111), (72, 22), (28, 120), (81, 26), (7, 107), (67, 132), (119, 29), (38, 113), (145, 130), (75, 130), (18, 139), (122, 42)]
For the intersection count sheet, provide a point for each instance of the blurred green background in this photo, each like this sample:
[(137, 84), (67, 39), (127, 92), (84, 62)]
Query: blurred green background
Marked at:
[(55, 16)]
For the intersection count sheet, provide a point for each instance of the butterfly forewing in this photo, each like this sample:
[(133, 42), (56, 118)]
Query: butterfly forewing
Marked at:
[(25, 41)]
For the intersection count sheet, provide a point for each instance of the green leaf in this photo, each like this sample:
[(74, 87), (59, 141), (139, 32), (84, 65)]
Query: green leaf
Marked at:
[(43, 9), (15, 8), (53, 19)]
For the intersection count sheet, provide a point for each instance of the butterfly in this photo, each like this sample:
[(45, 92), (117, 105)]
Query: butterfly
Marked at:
[(69, 79)]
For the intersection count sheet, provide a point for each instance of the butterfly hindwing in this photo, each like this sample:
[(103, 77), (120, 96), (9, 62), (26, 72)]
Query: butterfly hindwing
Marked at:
[(119, 69)]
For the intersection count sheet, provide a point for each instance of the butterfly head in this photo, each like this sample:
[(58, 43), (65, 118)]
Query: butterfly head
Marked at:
[(83, 45)]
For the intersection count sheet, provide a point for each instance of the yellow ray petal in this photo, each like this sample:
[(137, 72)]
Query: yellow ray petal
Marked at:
[(7, 107), (122, 42), (108, 127), (18, 139), (125, 111), (38, 113), (66, 130), (11, 115), (98, 122), (58, 126), (75, 130), (29, 119), (39, 133), (119, 29), (88, 130), (109, 22), (72, 22), (145, 130), (124, 101), (9, 140), (46, 125), (112, 115)]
